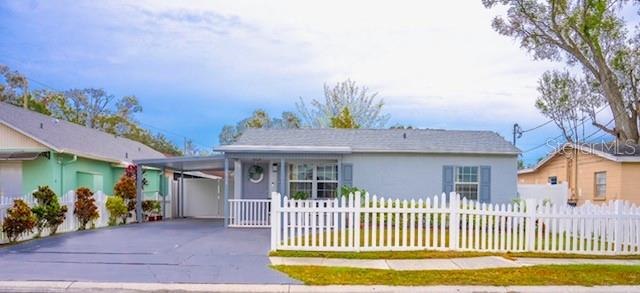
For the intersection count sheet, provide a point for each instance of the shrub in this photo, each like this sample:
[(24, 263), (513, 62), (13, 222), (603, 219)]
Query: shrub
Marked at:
[(150, 207), (126, 189), (117, 208), (19, 220), (300, 195), (48, 211), (56, 216), (345, 190), (86, 209)]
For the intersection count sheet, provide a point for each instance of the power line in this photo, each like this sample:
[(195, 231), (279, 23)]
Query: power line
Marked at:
[(560, 135), (534, 128)]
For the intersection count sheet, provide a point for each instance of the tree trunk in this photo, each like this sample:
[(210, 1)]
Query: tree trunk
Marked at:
[(626, 128)]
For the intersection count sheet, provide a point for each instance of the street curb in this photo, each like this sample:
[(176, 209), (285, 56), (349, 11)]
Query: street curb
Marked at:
[(66, 286)]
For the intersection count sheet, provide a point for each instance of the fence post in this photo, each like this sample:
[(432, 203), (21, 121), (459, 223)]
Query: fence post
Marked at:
[(356, 226), (454, 223), (530, 205), (275, 220), (617, 230)]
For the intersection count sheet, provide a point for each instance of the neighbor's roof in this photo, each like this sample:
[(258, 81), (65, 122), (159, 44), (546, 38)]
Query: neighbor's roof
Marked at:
[(329, 140), (616, 152), (66, 137)]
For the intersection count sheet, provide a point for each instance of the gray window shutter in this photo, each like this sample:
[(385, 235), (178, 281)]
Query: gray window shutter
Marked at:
[(485, 183), (447, 179), (347, 174)]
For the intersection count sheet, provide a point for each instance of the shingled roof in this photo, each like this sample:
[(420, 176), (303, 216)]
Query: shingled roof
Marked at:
[(66, 137), (373, 140)]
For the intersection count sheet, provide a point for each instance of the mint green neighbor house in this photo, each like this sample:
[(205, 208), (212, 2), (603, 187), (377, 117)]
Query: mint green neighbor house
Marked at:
[(36, 149)]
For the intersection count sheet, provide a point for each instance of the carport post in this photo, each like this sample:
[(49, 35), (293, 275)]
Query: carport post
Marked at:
[(163, 177), (226, 192), (181, 196), (139, 193)]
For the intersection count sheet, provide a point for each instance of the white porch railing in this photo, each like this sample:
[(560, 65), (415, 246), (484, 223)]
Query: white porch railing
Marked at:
[(250, 213)]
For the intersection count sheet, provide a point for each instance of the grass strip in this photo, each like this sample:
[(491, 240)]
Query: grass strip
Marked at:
[(583, 275), (429, 254)]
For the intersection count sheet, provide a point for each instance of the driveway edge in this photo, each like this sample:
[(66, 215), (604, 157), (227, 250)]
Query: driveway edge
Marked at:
[(66, 286)]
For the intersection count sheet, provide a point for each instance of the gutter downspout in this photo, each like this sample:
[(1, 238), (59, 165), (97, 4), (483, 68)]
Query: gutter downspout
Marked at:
[(62, 164)]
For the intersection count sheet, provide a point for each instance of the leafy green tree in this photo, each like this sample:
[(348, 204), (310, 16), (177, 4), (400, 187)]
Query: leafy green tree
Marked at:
[(90, 107), (364, 106), (15, 90), (591, 35), (344, 120)]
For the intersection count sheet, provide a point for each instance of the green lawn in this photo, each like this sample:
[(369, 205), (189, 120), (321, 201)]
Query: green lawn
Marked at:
[(420, 254), (585, 275)]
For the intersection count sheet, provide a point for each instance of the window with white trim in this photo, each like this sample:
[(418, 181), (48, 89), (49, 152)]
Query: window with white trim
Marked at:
[(601, 184), (553, 180), (301, 179), (316, 180), (467, 182)]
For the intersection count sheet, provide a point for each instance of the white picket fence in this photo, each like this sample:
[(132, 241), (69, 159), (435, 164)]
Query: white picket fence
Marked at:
[(251, 213), (451, 223), (70, 223)]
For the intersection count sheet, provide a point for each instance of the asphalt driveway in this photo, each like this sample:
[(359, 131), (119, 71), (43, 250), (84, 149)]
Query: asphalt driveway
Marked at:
[(175, 251)]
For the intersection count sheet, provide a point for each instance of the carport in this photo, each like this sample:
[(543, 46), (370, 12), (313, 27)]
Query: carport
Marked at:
[(216, 164)]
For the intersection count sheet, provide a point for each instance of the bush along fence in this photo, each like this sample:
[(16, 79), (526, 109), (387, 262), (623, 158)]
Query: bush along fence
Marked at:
[(70, 222), (356, 223), (84, 210)]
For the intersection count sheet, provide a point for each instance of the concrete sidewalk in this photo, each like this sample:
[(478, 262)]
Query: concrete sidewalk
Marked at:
[(469, 263), (8, 286)]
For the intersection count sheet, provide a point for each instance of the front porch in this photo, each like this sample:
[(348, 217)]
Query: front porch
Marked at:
[(248, 179)]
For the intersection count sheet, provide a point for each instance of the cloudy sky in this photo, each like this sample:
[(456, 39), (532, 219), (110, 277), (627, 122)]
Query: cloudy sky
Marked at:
[(197, 65)]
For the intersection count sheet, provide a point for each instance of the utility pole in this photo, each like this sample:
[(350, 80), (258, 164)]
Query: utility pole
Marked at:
[(25, 97), (517, 133)]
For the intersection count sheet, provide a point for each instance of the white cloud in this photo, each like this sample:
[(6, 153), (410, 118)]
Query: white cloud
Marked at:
[(434, 56)]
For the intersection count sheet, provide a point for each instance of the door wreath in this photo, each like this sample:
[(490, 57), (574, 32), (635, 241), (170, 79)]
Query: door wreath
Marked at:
[(256, 174)]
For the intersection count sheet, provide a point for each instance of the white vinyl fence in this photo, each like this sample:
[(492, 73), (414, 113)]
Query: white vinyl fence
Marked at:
[(557, 194), (251, 213), (70, 223), (451, 223)]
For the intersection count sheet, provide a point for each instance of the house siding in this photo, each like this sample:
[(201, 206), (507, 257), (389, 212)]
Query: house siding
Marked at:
[(11, 139), (43, 171), (622, 178), (630, 182), (409, 176)]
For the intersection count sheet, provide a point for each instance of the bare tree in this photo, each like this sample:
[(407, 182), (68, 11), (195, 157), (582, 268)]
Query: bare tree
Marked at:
[(590, 34), (362, 105)]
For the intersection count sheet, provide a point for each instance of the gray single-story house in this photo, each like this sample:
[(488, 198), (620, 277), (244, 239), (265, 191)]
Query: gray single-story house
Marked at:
[(393, 163), (401, 163)]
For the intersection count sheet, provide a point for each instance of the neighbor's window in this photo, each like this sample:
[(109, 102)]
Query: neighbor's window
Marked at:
[(317, 181), (601, 184), (301, 179), (467, 182), (553, 180)]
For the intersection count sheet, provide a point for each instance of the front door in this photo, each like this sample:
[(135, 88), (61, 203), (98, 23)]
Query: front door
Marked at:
[(255, 180)]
